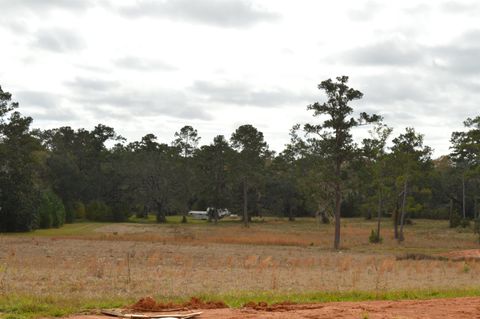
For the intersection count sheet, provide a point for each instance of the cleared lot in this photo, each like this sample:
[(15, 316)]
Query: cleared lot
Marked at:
[(274, 260)]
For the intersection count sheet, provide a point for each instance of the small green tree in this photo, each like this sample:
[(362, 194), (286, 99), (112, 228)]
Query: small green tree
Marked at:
[(252, 152), (466, 157), (375, 164), (186, 140), (411, 161), (333, 136)]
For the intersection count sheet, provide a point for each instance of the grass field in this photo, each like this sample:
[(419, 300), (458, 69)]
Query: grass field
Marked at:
[(90, 265)]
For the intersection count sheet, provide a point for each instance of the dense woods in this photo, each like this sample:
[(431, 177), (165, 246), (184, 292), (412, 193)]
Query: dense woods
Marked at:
[(56, 176)]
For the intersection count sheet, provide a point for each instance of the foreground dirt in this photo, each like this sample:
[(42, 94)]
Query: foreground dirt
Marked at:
[(436, 308)]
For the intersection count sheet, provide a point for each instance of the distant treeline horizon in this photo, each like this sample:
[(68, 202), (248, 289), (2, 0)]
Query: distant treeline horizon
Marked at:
[(49, 177)]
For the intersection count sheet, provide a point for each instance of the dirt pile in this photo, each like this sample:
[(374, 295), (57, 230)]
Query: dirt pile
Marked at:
[(150, 304)]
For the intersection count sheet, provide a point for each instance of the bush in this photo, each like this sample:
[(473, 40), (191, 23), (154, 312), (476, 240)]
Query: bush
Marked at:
[(476, 226), (120, 213), (79, 210), (51, 211), (455, 220), (464, 223), (374, 237), (98, 211)]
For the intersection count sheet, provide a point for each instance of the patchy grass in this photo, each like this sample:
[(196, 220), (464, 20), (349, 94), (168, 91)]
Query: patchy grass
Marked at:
[(76, 229)]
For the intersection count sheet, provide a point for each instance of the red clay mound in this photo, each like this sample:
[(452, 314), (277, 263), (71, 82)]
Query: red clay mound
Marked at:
[(149, 304)]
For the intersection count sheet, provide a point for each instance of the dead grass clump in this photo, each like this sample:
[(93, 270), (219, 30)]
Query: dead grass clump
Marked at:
[(149, 304), (263, 306), (416, 256)]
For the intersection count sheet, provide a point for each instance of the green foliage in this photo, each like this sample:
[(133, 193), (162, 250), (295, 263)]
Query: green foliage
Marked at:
[(374, 238), (98, 211), (20, 165), (51, 211), (476, 226), (455, 220), (464, 223), (79, 210), (332, 139), (249, 166)]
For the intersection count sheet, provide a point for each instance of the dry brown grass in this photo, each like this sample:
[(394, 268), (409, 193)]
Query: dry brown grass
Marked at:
[(127, 260)]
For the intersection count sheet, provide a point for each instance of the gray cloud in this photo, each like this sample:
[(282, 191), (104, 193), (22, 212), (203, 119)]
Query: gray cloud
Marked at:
[(418, 98), (135, 63), (459, 7), (365, 13), (110, 99), (395, 87), (390, 52), (81, 84), (459, 60), (142, 104), (35, 5), (43, 106), (232, 13), (15, 26), (58, 40), (37, 99), (459, 56), (240, 94)]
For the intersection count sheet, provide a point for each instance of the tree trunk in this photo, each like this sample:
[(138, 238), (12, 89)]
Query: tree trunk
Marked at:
[(463, 197), (245, 203), (395, 220), (450, 213), (161, 218), (290, 213), (402, 216), (379, 214), (475, 208), (338, 203)]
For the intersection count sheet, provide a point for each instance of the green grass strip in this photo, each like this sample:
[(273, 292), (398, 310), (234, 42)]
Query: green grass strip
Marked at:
[(30, 307)]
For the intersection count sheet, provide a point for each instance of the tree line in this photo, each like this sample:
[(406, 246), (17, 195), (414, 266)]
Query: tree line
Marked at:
[(55, 176)]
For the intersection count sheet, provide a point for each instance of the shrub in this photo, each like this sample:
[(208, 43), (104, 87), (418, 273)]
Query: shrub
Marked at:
[(374, 237), (79, 210), (98, 211), (464, 223), (69, 214), (51, 211), (455, 220), (119, 213), (476, 228)]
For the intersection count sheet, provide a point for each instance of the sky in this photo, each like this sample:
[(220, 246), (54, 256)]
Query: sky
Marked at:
[(150, 66)]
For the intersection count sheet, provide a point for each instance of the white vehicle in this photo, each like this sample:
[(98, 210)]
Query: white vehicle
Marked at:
[(198, 214), (203, 214)]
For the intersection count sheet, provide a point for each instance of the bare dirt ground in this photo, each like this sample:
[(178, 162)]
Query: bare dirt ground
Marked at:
[(454, 308)]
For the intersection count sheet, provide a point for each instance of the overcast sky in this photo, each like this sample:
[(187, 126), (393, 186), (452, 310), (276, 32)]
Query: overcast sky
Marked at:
[(150, 66)]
